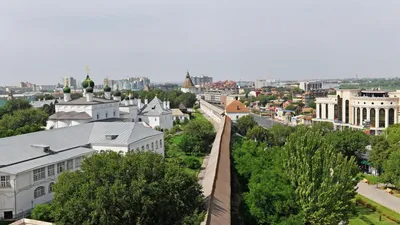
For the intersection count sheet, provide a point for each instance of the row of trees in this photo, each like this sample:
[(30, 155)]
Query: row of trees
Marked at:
[(297, 175), (136, 188), (174, 96), (18, 117), (385, 155)]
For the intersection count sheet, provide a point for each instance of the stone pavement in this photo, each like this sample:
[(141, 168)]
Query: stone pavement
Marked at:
[(379, 196)]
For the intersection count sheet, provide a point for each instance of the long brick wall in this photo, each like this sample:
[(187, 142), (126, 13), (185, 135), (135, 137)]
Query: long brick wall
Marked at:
[(217, 179)]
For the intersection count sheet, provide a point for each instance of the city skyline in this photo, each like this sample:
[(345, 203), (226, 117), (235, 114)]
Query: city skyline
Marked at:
[(225, 40)]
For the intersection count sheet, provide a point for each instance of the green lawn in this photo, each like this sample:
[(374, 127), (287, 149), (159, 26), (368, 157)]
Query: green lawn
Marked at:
[(368, 216), (175, 154), (371, 178)]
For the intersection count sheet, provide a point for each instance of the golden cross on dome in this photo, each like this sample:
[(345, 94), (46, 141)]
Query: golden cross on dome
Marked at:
[(87, 70)]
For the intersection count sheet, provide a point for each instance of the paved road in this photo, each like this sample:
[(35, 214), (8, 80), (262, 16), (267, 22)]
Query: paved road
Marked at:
[(379, 196), (266, 122)]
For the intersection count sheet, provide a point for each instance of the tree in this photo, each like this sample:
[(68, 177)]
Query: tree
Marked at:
[(280, 133), (198, 137), (22, 122), (14, 105), (271, 197), (44, 96), (258, 133), (392, 134), (312, 104), (43, 212), (245, 123), (380, 152), (391, 169), (349, 142), (188, 99), (324, 179), (138, 188)]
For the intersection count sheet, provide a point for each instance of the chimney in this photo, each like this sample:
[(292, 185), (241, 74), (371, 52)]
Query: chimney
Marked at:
[(89, 97), (84, 92), (164, 104), (117, 98), (107, 95), (168, 107), (67, 97), (139, 104), (146, 101), (131, 100), (126, 102)]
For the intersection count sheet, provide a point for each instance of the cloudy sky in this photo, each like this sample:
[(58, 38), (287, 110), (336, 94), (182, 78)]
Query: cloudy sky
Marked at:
[(44, 40)]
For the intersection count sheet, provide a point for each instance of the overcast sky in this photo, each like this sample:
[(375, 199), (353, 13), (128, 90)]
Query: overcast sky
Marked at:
[(44, 40)]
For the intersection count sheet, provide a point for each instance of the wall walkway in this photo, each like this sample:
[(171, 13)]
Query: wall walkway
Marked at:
[(216, 180)]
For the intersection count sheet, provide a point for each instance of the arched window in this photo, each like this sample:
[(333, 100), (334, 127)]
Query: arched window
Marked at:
[(39, 192), (347, 111), (391, 116), (381, 118), (51, 187), (152, 145), (326, 111), (140, 119), (98, 116), (372, 117)]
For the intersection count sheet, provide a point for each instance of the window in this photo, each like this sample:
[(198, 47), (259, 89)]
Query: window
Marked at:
[(60, 167), (155, 118), (51, 187), (50, 170), (114, 113), (156, 144), (140, 119), (142, 147), (39, 192), (147, 147), (237, 117), (5, 182), (78, 162), (152, 146), (98, 116), (39, 174), (106, 115), (160, 143), (70, 164)]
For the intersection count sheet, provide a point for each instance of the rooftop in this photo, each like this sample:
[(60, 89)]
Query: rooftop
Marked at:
[(154, 108), (20, 150), (236, 107), (83, 101)]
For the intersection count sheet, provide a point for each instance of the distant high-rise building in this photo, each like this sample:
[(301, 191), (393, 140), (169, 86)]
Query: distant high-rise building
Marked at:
[(260, 83), (309, 86), (70, 82), (201, 81)]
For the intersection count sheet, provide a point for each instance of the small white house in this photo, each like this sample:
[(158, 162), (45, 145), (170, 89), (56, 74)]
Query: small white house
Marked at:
[(177, 114), (236, 109), (31, 163), (157, 113)]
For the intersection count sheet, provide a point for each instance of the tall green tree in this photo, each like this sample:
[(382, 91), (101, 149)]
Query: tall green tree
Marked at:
[(43, 212), (391, 169), (259, 133), (281, 133), (245, 123), (349, 142), (22, 122), (198, 137), (14, 105), (324, 179), (380, 152), (138, 188), (392, 134)]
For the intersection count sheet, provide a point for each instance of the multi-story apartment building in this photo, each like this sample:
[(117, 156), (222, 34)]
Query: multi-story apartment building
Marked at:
[(309, 86), (201, 81), (373, 110)]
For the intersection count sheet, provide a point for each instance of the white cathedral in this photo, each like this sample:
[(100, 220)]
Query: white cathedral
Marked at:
[(111, 108)]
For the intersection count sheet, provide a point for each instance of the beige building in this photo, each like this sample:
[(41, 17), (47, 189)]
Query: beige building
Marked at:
[(373, 110)]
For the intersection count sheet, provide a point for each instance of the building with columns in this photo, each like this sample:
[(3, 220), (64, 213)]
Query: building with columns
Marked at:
[(373, 110)]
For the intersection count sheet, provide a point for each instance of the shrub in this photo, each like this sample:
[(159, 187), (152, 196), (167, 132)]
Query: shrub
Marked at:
[(192, 162)]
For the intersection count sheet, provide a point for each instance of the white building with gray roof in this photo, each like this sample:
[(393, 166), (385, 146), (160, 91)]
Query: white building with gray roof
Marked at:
[(157, 113), (31, 163)]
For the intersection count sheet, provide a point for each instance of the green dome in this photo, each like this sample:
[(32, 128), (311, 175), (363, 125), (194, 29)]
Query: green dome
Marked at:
[(89, 90), (117, 93), (107, 88), (67, 89), (87, 82)]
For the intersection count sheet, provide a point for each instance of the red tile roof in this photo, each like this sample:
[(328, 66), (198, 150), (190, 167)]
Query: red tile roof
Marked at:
[(236, 107)]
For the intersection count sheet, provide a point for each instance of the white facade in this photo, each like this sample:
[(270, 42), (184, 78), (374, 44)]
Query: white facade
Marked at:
[(192, 90), (31, 163), (236, 116), (372, 110), (157, 113)]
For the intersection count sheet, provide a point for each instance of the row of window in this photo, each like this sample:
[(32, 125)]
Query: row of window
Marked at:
[(152, 146), (40, 173), (98, 115), (41, 191)]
